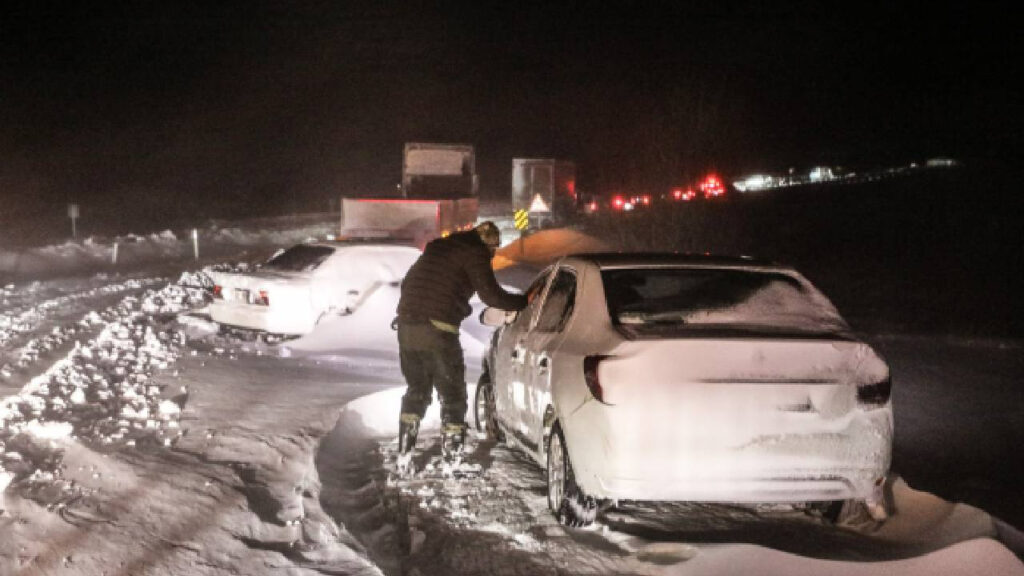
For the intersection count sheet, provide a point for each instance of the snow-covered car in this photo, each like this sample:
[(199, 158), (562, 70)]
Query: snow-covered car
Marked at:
[(293, 291), (663, 377)]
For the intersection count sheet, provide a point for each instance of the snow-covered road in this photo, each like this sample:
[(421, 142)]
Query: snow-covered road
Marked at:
[(135, 439)]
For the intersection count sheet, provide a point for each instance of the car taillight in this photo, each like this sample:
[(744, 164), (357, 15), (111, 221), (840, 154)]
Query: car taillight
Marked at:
[(590, 364), (262, 298), (218, 291), (874, 395)]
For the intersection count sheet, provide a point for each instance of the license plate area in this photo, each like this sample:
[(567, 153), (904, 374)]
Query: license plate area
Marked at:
[(241, 295)]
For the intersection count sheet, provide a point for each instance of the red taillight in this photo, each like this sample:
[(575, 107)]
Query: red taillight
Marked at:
[(262, 298), (218, 291), (712, 186), (590, 364), (618, 202)]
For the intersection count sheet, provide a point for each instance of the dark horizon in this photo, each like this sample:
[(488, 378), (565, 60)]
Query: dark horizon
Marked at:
[(229, 109)]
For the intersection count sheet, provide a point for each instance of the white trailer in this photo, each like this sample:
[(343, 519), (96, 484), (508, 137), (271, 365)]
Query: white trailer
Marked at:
[(415, 221), (438, 197), (439, 170)]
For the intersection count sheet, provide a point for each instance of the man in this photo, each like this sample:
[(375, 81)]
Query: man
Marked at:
[(434, 301)]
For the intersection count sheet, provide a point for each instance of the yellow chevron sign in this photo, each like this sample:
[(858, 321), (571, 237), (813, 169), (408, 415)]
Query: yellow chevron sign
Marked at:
[(522, 219)]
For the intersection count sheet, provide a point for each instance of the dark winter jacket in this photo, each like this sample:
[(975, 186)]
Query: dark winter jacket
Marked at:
[(441, 282)]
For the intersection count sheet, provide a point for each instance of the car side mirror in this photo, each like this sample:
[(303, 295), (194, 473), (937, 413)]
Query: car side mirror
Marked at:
[(495, 317)]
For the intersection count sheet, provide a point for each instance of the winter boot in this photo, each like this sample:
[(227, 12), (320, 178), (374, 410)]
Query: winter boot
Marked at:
[(453, 441), (408, 428)]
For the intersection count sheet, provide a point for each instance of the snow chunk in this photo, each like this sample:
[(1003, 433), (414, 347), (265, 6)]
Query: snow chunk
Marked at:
[(168, 408), (49, 430)]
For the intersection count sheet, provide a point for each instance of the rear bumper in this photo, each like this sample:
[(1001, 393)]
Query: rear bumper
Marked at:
[(804, 487), (847, 459), (262, 318)]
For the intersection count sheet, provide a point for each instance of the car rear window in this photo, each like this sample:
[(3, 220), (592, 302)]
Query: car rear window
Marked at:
[(702, 297), (300, 258)]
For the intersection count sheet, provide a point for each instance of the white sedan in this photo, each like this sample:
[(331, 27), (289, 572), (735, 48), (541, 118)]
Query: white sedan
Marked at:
[(662, 377), (293, 291)]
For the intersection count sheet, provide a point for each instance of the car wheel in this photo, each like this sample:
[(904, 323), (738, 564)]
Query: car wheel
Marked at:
[(565, 499), (483, 409)]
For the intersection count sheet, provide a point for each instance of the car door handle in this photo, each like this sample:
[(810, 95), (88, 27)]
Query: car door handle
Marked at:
[(543, 362)]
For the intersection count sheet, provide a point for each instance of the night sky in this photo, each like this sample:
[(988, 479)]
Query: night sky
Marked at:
[(170, 110)]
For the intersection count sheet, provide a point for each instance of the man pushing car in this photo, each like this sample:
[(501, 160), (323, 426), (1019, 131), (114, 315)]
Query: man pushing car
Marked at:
[(434, 301)]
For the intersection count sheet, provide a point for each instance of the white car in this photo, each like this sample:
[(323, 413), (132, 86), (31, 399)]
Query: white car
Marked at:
[(294, 290), (661, 377)]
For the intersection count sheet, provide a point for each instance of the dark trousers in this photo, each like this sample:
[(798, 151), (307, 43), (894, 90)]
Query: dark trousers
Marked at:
[(432, 359)]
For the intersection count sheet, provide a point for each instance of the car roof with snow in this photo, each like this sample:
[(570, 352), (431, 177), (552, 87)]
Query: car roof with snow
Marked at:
[(621, 259)]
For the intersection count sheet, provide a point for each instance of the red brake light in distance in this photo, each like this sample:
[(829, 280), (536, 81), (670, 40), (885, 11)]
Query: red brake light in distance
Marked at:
[(712, 186), (618, 202), (590, 365)]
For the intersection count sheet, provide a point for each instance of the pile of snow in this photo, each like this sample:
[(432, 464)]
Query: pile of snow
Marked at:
[(20, 321), (101, 392)]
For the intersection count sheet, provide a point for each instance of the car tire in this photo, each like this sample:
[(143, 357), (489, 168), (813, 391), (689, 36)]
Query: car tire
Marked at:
[(566, 500), (483, 409)]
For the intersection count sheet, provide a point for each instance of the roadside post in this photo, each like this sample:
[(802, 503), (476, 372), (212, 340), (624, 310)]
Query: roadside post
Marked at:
[(195, 243), (113, 256), (73, 214)]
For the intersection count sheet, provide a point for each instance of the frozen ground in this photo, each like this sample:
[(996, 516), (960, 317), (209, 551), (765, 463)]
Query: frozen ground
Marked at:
[(136, 439)]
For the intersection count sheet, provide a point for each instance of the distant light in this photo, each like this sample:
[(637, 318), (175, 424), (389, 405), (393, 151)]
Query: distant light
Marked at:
[(752, 183), (819, 173), (712, 186)]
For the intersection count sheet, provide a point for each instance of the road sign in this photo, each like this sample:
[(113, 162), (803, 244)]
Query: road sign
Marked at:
[(522, 219)]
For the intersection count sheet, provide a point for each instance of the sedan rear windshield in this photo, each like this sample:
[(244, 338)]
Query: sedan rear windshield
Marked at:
[(300, 258), (717, 298)]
